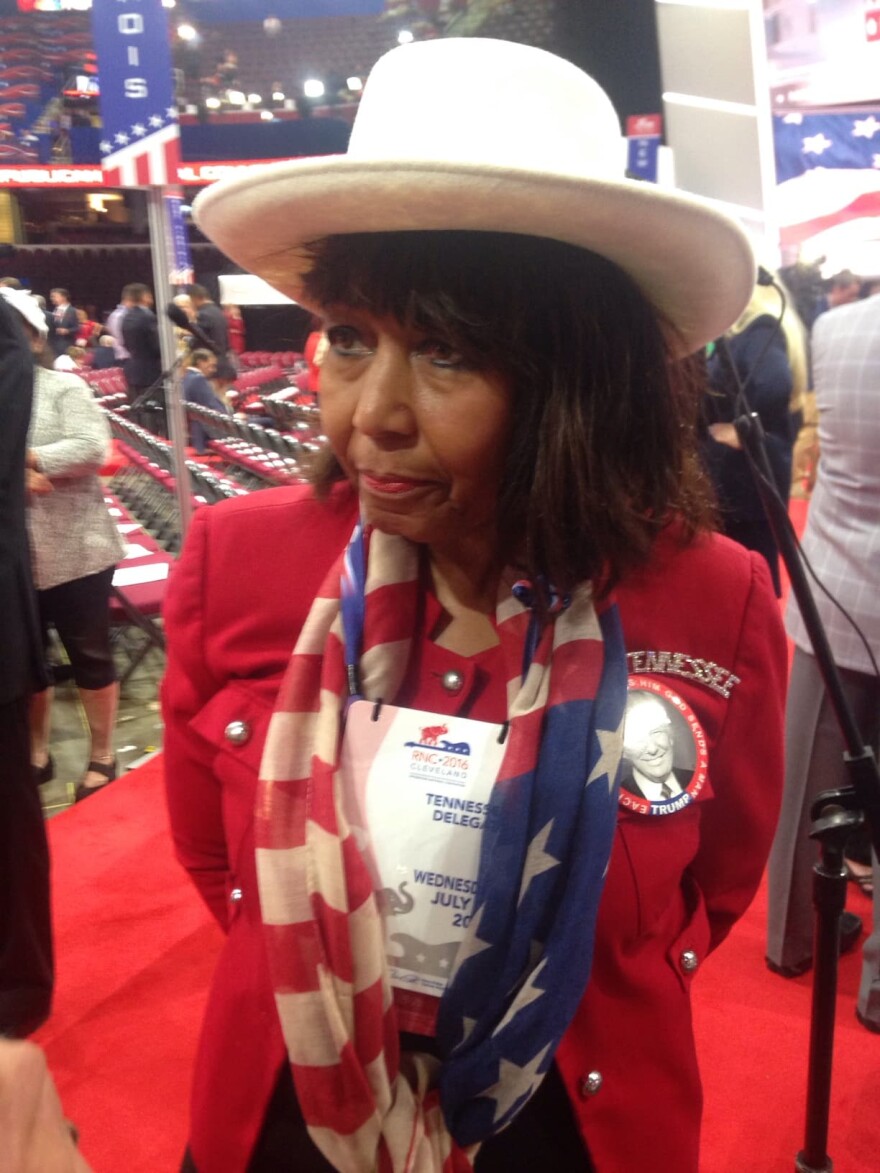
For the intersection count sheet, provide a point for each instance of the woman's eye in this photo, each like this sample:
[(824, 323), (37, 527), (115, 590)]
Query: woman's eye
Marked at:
[(345, 341), (441, 354)]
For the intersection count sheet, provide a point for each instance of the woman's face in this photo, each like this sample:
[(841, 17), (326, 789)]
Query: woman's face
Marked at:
[(421, 433)]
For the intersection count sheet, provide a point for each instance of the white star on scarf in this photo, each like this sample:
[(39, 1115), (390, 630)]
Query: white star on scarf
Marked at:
[(472, 945), (155, 120), (106, 147), (815, 144), (610, 741), (514, 1082), (525, 997), (121, 138), (875, 162), (139, 130), (170, 112), (537, 860), (865, 127), (793, 119)]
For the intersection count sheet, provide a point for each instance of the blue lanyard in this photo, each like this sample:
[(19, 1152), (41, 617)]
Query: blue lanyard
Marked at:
[(353, 584)]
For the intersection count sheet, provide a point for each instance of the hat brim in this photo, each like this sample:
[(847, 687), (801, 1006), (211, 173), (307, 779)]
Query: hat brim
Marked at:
[(693, 263)]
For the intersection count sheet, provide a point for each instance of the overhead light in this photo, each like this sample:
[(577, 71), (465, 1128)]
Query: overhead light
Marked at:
[(169, 3), (354, 83), (404, 37), (212, 103), (254, 99), (186, 32), (236, 97), (267, 115), (277, 96), (313, 88)]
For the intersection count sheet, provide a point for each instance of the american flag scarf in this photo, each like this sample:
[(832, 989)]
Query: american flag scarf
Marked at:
[(522, 968)]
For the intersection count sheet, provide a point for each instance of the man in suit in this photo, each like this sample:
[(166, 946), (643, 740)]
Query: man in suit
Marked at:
[(648, 750), (143, 367), (26, 969), (63, 322), (197, 388), (212, 321), (842, 541)]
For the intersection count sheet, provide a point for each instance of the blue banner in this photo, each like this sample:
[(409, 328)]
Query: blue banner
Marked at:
[(642, 155), (805, 142), (140, 132), (180, 261)]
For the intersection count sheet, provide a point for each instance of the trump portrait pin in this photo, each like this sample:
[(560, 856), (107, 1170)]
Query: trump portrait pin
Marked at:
[(664, 750)]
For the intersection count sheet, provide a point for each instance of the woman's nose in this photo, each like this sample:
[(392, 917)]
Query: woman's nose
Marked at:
[(384, 402)]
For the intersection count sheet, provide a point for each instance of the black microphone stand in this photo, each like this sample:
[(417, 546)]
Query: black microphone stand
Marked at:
[(835, 814)]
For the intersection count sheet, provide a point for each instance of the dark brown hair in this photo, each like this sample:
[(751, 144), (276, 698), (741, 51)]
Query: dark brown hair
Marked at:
[(603, 449)]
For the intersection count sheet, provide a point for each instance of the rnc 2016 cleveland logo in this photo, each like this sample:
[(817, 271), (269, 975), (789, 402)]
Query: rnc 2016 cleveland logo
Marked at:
[(435, 757)]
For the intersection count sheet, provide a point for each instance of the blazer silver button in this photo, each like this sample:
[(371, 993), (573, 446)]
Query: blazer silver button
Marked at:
[(452, 681), (235, 896), (238, 732), (689, 961), (590, 1083)]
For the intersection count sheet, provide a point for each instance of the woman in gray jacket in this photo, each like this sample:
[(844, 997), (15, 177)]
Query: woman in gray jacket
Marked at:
[(75, 546)]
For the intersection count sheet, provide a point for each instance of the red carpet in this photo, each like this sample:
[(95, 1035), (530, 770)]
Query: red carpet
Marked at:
[(135, 953)]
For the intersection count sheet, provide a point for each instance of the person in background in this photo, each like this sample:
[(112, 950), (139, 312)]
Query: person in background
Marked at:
[(73, 360), (235, 326), (842, 541), (212, 321), (770, 361), (74, 547), (113, 325), (64, 323), (183, 340), (88, 330), (26, 962), (198, 388), (143, 367), (511, 416), (105, 353)]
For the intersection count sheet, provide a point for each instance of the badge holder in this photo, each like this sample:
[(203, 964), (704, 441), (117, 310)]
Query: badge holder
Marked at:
[(835, 814)]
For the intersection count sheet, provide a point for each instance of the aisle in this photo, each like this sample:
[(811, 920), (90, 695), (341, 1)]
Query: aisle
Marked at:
[(136, 951)]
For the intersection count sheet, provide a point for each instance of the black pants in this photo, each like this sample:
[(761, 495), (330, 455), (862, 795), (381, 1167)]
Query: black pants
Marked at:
[(80, 612), (545, 1129), (26, 971)]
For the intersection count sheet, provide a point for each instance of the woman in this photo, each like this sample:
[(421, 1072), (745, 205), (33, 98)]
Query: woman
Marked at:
[(770, 359), (75, 547), (505, 416)]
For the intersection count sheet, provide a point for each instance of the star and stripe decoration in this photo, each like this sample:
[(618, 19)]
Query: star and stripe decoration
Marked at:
[(522, 969), (827, 171), (140, 141)]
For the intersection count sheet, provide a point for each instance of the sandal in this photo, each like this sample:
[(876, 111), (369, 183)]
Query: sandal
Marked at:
[(45, 773), (109, 772)]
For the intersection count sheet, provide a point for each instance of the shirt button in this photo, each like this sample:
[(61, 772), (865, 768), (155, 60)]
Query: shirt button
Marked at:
[(238, 732), (590, 1083), (689, 961), (235, 896), (452, 681)]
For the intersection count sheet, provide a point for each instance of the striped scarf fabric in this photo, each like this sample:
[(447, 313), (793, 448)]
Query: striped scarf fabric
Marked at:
[(523, 965)]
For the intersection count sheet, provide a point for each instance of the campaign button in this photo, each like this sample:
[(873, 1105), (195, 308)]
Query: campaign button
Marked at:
[(452, 681)]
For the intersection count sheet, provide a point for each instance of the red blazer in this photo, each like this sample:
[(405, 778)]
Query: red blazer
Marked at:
[(675, 885)]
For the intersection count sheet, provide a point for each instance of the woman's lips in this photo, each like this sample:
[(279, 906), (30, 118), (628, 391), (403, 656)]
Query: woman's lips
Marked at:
[(391, 483)]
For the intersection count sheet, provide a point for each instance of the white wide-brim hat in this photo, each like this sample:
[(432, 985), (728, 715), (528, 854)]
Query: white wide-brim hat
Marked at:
[(27, 306), (497, 137)]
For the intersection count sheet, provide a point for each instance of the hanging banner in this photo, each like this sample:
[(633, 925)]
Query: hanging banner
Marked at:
[(180, 267), (140, 145), (643, 134)]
